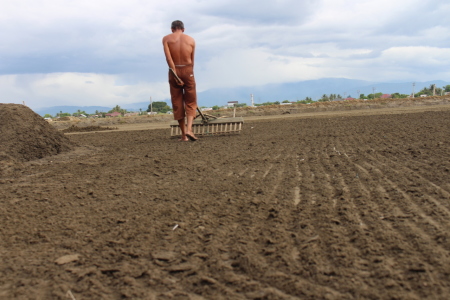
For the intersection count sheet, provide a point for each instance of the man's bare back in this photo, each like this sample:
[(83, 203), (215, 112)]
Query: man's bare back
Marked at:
[(179, 49)]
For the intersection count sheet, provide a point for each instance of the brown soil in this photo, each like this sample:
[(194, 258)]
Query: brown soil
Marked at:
[(26, 136), (310, 207), (75, 128)]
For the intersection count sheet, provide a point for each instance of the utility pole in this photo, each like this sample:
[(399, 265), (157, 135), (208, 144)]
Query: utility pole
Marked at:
[(414, 84), (251, 98), (434, 89)]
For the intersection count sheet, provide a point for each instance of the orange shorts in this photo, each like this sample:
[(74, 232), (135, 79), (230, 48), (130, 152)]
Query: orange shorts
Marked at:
[(184, 99)]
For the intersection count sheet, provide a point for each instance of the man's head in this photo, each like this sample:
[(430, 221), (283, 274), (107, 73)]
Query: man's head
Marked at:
[(177, 25)]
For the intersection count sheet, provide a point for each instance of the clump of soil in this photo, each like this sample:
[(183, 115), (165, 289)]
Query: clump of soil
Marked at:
[(27, 136), (74, 128)]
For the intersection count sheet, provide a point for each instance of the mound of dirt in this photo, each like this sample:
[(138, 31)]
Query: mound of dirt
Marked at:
[(74, 128), (27, 136), (68, 118)]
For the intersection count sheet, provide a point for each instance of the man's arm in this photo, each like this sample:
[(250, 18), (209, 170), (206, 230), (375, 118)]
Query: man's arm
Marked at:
[(193, 52), (169, 59)]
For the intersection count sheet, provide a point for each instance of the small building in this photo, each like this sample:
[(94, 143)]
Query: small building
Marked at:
[(114, 114), (385, 96), (206, 108), (423, 96), (131, 114)]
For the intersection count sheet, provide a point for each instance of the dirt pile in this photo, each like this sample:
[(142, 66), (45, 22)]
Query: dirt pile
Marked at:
[(26, 136)]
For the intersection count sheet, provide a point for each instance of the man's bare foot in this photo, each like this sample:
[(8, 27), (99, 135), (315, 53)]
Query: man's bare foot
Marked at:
[(191, 136), (184, 139)]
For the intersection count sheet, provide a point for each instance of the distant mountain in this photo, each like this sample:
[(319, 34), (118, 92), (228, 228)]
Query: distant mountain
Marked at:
[(291, 91)]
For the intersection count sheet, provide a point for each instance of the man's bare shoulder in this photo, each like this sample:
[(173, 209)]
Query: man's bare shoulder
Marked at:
[(187, 36), (168, 37), (187, 39)]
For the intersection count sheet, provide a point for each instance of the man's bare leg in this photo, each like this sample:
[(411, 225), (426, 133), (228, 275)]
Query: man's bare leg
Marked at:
[(189, 133), (182, 125)]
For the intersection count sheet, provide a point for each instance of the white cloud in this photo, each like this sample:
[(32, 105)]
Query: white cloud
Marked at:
[(44, 90), (262, 12), (243, 67), (419, 56)]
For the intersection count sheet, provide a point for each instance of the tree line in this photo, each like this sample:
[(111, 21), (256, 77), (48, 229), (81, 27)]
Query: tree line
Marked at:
[(425, 91), (156, 107), (333, 97)]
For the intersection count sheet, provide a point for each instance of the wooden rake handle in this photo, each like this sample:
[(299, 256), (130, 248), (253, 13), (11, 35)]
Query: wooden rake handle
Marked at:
[(177, 79)]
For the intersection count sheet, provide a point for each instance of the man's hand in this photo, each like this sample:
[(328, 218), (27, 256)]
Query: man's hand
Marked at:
[(177, 79)]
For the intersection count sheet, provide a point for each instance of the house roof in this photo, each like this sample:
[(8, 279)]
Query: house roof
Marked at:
[(113, 114)]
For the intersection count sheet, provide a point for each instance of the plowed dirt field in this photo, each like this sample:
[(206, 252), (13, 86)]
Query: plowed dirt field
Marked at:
[(325, 207)]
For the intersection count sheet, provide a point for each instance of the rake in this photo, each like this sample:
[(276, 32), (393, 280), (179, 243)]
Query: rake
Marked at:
[(207, 124), (210, 125)]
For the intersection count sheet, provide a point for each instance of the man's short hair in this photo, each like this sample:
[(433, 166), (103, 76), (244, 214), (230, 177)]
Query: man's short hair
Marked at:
[(177, 24)]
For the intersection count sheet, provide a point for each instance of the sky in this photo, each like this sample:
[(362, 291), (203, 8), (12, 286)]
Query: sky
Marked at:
[(104, 53)]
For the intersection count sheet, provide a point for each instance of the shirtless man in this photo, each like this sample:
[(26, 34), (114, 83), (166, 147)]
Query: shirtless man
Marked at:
[(179, 49)]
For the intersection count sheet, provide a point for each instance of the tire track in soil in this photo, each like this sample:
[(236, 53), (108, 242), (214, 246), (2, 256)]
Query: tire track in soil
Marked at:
[(402, 234), (428, 214), (312, 217), (427, 171), (241, 263), (295, 241), (424, 183), (413, 175), (356, 191), (281, 175), (410, 225), (352, 220), (264, 202)]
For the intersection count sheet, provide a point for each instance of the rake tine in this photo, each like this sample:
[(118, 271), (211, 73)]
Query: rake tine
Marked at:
[(211, 126)]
